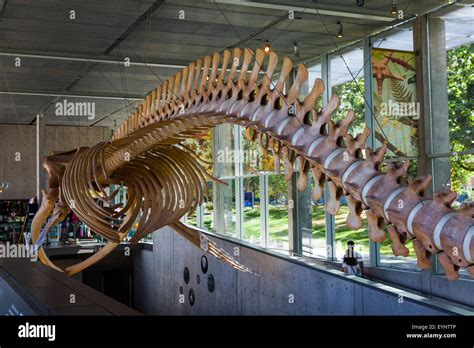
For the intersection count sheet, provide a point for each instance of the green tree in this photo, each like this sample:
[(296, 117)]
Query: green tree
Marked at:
[(460, 69), (351, 95), (277, 186)]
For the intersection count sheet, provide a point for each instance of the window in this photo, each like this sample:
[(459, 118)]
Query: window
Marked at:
[(253, 205), (318, 235), (457, 27), (278, 212), (347, 72), (252, 227), (202, 145), (226, 198), (312, 222), (226, 208), (225, 160), (208, 208), (400, 131)]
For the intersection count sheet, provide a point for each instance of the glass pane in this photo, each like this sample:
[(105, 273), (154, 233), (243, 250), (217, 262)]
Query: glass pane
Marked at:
[(344, 234), (459, 31), (251, 210), (226, 156), (251, 156), (278, 212), (318, 236), (387, 259), (348, 83), (254, 160), (395, 104), (394, 92), (201, 144), (318, 242), (351, 95), (191, 218), (461, 122), (314, 72), (227, 208), (208, 208), (350, 65)]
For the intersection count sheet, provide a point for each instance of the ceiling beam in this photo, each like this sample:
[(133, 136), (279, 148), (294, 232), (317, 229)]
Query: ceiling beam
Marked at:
[(313, 9), (89, 60), (67, 95), (2, 5)]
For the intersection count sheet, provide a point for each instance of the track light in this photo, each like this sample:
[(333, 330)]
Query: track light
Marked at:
[(295, 50), (267, 46), (340, 30), (394, 10)]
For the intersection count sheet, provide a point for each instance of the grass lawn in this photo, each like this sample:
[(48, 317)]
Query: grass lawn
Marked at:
[(278, 228)]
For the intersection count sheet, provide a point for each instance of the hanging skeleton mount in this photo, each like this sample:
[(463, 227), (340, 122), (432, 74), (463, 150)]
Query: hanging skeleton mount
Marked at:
[(164, 179)]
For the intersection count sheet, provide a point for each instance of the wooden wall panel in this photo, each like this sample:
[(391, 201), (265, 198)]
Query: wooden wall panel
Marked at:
[(21, 175)]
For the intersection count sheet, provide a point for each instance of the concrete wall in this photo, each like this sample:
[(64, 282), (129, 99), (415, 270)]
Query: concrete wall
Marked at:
[(437, 286), (21, 175), (281, 285)]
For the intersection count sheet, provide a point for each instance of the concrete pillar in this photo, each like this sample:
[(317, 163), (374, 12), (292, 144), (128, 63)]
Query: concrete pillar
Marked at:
[(374, 248), (439, 127), (239, 182), (264, 213), (420, 45), (239, 207), (432, 91), (300, 218), (329, 220), (369, 107), (216, 199), (40, 153), (293, 235), (200, 216)]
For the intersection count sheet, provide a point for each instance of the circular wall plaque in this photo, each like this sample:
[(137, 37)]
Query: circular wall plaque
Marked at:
[(210, 283), (204, 264), (191, 297), (186, 275)]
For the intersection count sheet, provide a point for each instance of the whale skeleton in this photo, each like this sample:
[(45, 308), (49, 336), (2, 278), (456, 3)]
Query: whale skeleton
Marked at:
[(165, 179)]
